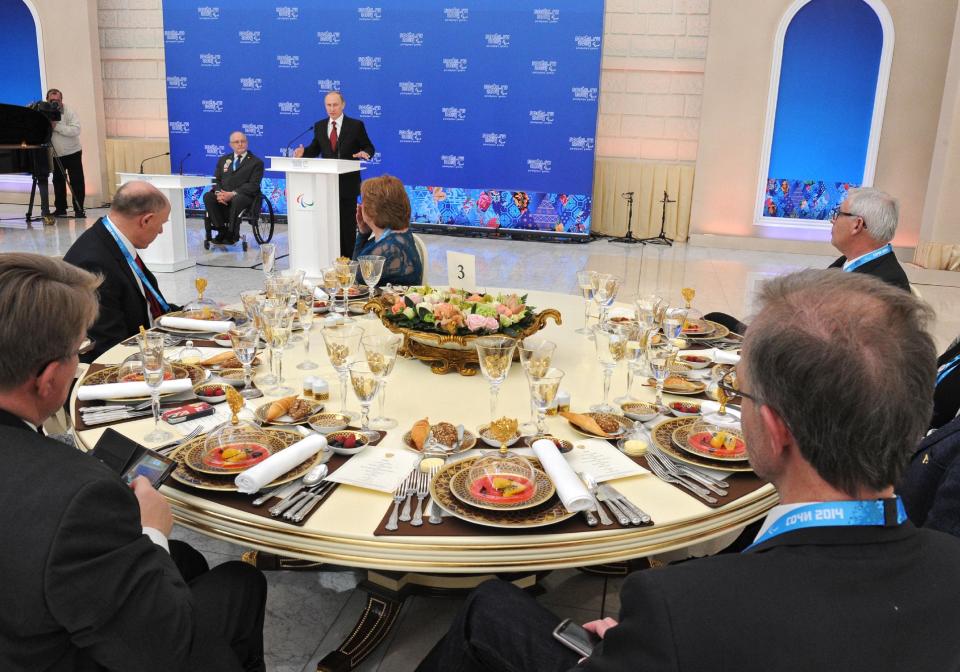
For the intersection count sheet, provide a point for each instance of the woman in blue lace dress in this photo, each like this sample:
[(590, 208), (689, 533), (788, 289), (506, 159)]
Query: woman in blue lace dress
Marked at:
[(383, 228)]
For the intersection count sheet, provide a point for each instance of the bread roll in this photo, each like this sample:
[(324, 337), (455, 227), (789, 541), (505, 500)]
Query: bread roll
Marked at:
[(420, 432), (280, 407)]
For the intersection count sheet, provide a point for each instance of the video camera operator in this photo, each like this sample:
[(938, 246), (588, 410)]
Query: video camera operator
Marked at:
[(67, 164)]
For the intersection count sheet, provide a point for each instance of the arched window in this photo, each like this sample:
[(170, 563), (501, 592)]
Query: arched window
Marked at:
[(21, 78), (828, 87)]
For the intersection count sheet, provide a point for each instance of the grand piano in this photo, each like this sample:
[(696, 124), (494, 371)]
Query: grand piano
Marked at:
[(24, 148)]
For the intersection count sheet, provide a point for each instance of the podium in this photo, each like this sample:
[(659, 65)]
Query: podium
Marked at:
[(168, 253), (313, 209)]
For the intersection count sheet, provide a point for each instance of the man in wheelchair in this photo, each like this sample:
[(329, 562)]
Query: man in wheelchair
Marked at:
[(236, 185)]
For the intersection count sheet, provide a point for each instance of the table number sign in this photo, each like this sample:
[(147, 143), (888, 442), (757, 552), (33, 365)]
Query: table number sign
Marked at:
[(462, 271)]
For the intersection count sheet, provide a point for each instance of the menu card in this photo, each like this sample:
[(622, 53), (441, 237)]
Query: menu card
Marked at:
[(602, 461), (381, 468)]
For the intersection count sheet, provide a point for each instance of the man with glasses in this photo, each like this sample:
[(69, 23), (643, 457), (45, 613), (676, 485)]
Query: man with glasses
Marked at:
[(90, 579), (236, 185), (830, 418)]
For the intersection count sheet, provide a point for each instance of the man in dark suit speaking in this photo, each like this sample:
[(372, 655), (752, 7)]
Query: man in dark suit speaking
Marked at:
[(836, 377), (341, 137), (90, 580), (236, 183)]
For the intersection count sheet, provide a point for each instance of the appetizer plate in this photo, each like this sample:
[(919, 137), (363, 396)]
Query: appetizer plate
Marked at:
[(286, 420), (466, 492), (662, 436), (625, 425)]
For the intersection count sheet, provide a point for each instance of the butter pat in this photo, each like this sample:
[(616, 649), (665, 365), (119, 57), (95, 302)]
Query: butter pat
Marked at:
[(635, 447), (429, 463)]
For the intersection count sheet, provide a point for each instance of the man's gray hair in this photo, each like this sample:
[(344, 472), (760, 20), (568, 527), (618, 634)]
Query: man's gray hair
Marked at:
[(138, 198), (879, 210), (846, 361)]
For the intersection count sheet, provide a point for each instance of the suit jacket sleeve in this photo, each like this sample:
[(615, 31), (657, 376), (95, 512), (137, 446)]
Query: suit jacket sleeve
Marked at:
[(363, 140), (110, 325), (119, 595), (313, 150), (644, 638), (218, 174), (252, 186)]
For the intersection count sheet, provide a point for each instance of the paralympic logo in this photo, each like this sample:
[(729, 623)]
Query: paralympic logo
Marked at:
[(303, 203)]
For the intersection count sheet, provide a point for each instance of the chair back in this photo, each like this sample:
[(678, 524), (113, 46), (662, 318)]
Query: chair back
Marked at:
[(424, 256)]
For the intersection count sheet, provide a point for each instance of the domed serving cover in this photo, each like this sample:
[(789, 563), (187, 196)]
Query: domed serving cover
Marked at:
[(502, 475), (234, 438)]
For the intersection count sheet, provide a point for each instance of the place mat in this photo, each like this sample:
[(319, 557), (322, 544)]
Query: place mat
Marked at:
[(235, 500), (740, 484)]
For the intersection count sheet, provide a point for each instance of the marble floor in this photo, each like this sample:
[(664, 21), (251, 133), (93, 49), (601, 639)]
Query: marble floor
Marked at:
[(309, 612)]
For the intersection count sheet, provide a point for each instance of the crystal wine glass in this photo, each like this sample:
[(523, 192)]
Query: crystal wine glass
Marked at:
[(381, 353), (660, 356), (244, 341), (673, 321), (365, 384), (635, 334), (535, 357), (543, 390), (268, 257), (342, 342), (587, 282), (346, 275), (496, 355), (607, 287), (253, 302), (648, 309), (371, 268), (611, 345), (278, 320), (305, 314), (151, 351), (294, 285)]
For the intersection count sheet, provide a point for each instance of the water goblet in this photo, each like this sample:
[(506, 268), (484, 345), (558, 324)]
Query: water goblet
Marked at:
[(342, 343), (268, 257), (607, 287), (496, 355), (346, 275), (371, 268), (648, 310), (365, 385), (611, 345), (381, 353), (660, 356), (587, 282), (244, 341), (305, 314), (535, 357), (673, 321), (278, 320), (151, 352), (543, 390)]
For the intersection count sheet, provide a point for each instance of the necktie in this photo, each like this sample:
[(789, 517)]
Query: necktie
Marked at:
[(333, 136), (155, 310), (236, 162)]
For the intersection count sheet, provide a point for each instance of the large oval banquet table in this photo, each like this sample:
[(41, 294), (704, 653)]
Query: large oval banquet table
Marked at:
[(342, 530)]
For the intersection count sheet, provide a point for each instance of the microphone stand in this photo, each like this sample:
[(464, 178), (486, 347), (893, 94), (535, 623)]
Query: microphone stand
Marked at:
[(661, 238), (181, 162), (628, 238), (297, 137), (149, 158)]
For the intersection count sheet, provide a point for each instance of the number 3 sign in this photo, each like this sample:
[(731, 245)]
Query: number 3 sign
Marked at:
[(462, 270)]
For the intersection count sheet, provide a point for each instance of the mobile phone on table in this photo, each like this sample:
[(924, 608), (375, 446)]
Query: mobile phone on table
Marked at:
[(574, 636)]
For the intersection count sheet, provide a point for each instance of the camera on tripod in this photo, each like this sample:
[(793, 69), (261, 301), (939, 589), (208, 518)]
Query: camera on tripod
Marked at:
[(52, 111)]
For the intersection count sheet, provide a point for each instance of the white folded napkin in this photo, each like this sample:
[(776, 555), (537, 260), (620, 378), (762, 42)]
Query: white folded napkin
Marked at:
[(320, 295), (198, 325), (259, 475), (621, 312), (569, 488), (724, 357), (132, 389)]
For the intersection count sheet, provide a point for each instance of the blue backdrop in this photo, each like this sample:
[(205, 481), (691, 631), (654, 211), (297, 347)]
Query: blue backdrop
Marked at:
[(486, 109), (20, 75)]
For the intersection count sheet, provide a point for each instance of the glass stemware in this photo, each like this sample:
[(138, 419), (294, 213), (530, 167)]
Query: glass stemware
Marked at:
[(294, 286), (660, 356), (535, 357), (365, 384), (278, 320), (346, 272), (268, 257), (342, 343), (543, 390), (244, 341), (648, 310), (607, 287), (371, 268), (496, 355), (151, 352), (611, 345), (381, 353), (636, 335), (673, 321), (305, 314), (587, 282), (253, 302)]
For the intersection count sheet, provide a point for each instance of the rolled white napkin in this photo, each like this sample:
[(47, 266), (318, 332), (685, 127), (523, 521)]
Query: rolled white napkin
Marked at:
[(569, 488), (198, 325), (133, 389), (259, 475), (320, 295), (621, 312), (724, 357)]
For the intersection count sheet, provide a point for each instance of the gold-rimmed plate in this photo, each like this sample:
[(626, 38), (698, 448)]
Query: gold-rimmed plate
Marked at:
[(196, 374), (286, 420), (699, 328), (718, 331), (681, 439), (279, 440), (550, 512), (216, 315), (544, 490), (663, 439), (469, 441), (625, 425), (689, 387), (193, 458)]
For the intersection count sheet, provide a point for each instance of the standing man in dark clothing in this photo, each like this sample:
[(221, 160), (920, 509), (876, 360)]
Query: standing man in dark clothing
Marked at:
[(341, 137), (236, 184), (66, 145)]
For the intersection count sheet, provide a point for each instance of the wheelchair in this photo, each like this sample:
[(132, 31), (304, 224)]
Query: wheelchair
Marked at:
[(261, 223)]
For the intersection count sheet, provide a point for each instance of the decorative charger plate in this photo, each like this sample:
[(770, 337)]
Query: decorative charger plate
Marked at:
[(461, 490), (697, 387), (681, 439), (469, 441), (193, 459), (663, 439), (354, 292), (196, 374), (279, 439), (699, 328), (549, 513), (718, 331), (626, 424), (261, 415)]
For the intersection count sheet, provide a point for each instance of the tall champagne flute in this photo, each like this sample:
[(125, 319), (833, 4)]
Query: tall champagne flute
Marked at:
[(278, 318), (496, 355), (244, 341), (660, 356), (611, 345), (365, 384), (587, 282), (342, 343), (543, 390), (268, 257), (635, 334), (535, 357), (371, 268), (381, 353), (151, 352), (305, 313)]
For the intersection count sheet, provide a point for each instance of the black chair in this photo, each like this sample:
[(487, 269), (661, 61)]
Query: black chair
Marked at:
[(253, 215)]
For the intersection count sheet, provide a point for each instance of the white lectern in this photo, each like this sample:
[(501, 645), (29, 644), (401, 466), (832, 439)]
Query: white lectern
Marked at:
[(313, 209), (168, 253)]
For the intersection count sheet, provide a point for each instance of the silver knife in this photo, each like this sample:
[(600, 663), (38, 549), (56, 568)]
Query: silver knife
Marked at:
[(615, 508), (637, 514)]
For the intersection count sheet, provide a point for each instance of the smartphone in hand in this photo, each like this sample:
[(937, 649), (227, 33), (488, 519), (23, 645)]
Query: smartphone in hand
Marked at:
[(575, 637)]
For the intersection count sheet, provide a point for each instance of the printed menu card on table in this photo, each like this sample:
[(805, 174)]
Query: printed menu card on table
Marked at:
[(376, 468), (602, 461)]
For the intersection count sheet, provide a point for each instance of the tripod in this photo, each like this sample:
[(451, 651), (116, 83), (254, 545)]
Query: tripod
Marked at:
[(629, 237), (661, 238)]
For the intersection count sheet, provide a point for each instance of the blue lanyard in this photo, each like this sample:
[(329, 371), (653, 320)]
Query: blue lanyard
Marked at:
[(947, 368), (833, 514), (876, 254), (134, 266)]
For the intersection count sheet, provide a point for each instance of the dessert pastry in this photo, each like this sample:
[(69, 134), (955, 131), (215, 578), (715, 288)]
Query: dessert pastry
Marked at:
[(599, 423), (419, 433)]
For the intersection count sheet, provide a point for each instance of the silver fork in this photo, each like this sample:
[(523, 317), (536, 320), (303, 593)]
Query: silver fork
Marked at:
[(398, 496), (423, 489), (168, 448), (683, 471), (410, 492), (662, 473)]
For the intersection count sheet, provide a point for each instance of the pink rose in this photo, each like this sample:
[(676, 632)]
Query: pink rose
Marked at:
[(492, 323), (444, 311), (477, 322), (475, 298), (503, 309), (416, 298)]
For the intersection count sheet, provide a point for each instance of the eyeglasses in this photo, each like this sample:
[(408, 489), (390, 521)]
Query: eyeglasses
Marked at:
[(837, 213), (86, 345), (730, 388)]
